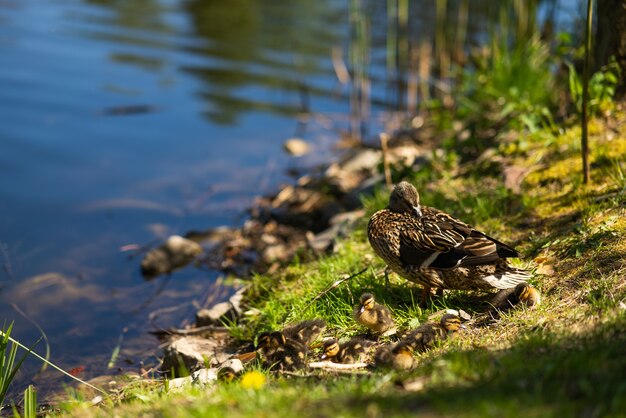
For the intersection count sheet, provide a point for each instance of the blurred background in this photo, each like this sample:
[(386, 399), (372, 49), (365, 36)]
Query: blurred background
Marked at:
[(122, 122)]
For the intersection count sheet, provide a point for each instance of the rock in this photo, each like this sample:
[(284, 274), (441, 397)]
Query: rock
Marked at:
[(404, 156), (362, 160), (296, 147), (366, 188), (204, 376), (221, 312), (175, 253), (194, 352), (215, 315), (178, 383), (340, 225), (278, 252)]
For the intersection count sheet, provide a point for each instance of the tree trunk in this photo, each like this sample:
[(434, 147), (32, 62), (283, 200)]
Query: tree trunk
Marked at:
[(611, 36)]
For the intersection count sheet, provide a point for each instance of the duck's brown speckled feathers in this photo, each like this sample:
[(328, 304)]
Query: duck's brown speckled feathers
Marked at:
[(281, 353), (353, 351), (426, 336), (399, 356), (306, 331), (523, 294), (430, 247)]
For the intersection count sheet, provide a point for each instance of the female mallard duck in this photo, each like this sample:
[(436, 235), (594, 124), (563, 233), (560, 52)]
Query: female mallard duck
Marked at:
[(374, 316), (281, 353), (430, 247), (424, 337), (354, 351)]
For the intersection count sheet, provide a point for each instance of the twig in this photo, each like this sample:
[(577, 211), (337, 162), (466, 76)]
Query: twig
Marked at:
[(191, 331), (43, 334), (335, 284), (54, 366), (327, 365)]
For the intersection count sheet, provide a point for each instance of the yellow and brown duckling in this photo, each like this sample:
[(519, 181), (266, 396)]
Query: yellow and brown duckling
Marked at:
[(374, 316), (354, 351), (524, 294), (229, 370), (426, 336), (307, 331), (281, 353), (428, 246), (399, 356)]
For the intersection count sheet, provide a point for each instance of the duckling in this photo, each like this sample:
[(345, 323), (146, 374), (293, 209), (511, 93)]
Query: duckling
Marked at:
[(226, 374), (522, 294), (229, 370), (269, 342), (281, 353), (306, 331), (374, 316), (429, 247), (424, 337), (399, 356), (353, 351)]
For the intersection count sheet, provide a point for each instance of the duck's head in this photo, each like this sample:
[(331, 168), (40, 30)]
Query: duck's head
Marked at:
[(331, 349), (451, 323), (405, 199), (367, 302), (226, 374), (527, 294)]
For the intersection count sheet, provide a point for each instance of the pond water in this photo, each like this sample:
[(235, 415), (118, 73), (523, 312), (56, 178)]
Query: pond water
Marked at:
[(122, 122)]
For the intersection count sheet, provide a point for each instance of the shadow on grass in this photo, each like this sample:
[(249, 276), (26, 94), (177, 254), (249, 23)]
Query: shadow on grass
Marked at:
[(543, 375)]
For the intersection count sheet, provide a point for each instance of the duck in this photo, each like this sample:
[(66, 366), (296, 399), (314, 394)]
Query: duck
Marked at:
[(524, 294), (432, 248), (398, 356), (424, 337), (307, 331), (376, 317), (281, 353), (353, 351)]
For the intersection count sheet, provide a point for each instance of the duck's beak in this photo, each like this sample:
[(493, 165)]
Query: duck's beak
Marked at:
[(324, 356), (462, 326), (362, 309), (417, 210)]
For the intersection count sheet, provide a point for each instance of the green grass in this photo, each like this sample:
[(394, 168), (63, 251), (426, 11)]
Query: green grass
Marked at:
[(562, 358)]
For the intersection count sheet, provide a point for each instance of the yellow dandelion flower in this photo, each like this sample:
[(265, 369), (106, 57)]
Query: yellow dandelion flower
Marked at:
[(253, 380)]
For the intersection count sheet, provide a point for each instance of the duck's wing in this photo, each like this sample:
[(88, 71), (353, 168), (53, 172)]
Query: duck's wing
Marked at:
[(438, 240)]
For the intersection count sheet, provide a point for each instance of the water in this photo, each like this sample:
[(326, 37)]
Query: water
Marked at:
[(122, 122)]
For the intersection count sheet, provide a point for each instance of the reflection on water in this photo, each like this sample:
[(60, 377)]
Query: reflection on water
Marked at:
[(122, 122)]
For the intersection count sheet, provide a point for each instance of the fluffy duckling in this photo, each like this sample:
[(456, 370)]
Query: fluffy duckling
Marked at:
[(523, 294), (281, 353), (400, 356), (306, 331), (269, 342), (374, 316), (424, 337), (354, 351), (527, 295)]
